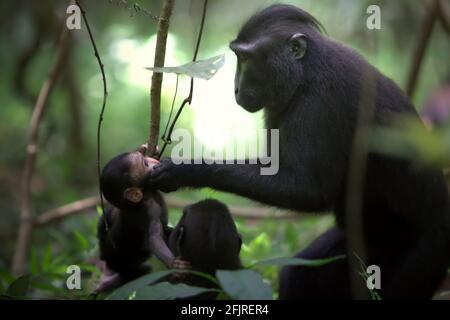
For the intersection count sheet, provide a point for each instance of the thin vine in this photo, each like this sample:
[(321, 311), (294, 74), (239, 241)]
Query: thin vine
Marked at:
[(102, 111), (167, 139)]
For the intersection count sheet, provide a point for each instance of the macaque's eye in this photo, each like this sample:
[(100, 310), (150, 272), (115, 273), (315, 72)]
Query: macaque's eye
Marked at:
[(146, 163)]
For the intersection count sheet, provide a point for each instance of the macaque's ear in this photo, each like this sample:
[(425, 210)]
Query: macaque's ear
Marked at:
[(133, 194), (298, 44)]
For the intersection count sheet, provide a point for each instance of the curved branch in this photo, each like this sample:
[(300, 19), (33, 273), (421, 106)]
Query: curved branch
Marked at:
[(26, 226), (155, 91), (79, 206), (419, 53), (444, 15), (65, 211)]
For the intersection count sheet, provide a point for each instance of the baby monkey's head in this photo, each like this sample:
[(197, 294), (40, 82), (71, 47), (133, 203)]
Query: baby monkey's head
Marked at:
[(123, 178)]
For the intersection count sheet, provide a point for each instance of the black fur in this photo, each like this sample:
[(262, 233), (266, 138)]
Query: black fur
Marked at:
[(314, 103), (328, 282), (207, 237), (125, 246), (115, 179), (124, 231)]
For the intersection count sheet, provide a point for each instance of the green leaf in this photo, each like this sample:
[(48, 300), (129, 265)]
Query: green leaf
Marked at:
[(166, 290), (409, 138), (200, 274), (34, 265), (99, 210), (125, 291), (284, 261), (244, 285), (203, 69), (19, 287), (374, 295), (222, 296), (47, 258), (259, 246), (45, 284), (6, 276), (84, 243), (60, 238)]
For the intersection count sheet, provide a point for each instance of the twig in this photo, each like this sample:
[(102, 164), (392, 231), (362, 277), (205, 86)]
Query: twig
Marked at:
[(167, 139), (164, 135), (26, 227), (105, 96), (424, 38), (444, 15), (155, 91), (134, 8), (80, 206), (66, 211)]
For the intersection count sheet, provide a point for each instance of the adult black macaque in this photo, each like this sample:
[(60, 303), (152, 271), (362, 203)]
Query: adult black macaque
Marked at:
[(309, 87), (207, 237), (136, 226)]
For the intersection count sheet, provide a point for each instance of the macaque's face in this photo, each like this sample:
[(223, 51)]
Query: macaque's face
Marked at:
[(140, 165)]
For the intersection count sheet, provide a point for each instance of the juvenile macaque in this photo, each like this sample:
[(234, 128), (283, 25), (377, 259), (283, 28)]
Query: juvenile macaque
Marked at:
[(136, 226), (207, 237)]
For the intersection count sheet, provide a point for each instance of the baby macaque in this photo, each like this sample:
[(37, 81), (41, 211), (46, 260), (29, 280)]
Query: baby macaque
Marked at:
[(136, 226)]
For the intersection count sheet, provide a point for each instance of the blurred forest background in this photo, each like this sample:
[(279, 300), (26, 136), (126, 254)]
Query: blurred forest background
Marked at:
[(125, 33)]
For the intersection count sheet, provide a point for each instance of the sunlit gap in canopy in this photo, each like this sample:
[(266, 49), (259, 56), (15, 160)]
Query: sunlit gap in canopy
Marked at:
[(137, 56), (217, 119)]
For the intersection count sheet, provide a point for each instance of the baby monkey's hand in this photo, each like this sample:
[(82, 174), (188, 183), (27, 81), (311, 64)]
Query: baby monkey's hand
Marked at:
[(180, 264), (143, 148)]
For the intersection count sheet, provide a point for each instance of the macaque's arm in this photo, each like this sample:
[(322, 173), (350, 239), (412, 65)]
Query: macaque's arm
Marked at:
[(160, 249), (157, 244)]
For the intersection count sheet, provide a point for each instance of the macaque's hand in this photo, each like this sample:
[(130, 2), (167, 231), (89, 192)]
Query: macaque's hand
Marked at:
[(143, 148), (180, 264), (167, 176), (148, 161)]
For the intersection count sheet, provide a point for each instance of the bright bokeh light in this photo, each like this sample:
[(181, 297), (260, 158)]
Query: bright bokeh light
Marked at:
[(218, 120), (139, 56)]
